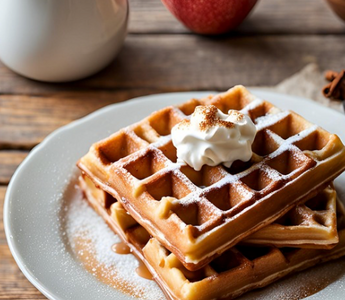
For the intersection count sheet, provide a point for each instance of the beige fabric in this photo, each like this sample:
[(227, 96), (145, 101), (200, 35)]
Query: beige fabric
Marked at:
[(307, 83)]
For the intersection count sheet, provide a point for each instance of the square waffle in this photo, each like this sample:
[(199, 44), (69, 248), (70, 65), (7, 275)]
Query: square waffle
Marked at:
[(197, 215), (236, 271), (309, 225)]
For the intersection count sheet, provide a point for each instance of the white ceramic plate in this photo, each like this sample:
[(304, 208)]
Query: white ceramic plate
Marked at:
[(38, 189)]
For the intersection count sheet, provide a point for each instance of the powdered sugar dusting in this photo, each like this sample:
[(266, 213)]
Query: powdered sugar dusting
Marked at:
[(245, 194), (301, 135), (255, 103), (91, 241), (268, 120), (272, 174)]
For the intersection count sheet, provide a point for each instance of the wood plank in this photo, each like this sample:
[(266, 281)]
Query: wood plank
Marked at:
[(2, 233), (187, 62), (13, 284), (268, 16), (26, 120), (9, 161)]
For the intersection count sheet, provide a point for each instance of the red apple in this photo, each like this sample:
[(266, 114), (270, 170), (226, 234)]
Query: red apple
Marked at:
[(210, 16)]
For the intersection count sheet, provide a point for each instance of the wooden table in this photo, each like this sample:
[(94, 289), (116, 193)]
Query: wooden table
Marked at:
[(160, 55)]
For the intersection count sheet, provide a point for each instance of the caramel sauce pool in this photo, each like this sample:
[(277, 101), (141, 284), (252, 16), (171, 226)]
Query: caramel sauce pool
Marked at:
[(143, 272)]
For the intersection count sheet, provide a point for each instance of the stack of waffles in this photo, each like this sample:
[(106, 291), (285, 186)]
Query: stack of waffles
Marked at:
[(219, 232)]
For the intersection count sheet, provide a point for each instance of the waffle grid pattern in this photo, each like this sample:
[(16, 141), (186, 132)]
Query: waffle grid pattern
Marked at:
[(197, 215), (235, 272), (309, 225)]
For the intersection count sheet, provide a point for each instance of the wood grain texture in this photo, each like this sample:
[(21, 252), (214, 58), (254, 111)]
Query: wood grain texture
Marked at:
[(2, 233), (268, 17), (26, 120), (184, 62), (160, 55), (10, 160)]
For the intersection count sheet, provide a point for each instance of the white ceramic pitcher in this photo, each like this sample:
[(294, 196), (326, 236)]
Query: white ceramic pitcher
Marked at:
[(61, 40)]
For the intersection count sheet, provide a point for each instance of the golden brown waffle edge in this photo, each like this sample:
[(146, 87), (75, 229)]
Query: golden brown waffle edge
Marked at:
[(199, 215), (309, 225), (235, 272)]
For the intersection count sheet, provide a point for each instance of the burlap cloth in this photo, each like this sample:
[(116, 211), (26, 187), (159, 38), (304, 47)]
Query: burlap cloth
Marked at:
[(307, 83)]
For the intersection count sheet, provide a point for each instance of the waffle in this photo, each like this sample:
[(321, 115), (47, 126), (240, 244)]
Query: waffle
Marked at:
[(309, 225), (199, 215), (236, 271)]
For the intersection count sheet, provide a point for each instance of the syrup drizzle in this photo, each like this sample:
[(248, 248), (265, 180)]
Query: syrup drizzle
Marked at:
[(142, 271), (121, 248)]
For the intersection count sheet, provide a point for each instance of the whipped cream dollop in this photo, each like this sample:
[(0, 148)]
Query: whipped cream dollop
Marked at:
[(211, 137)]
